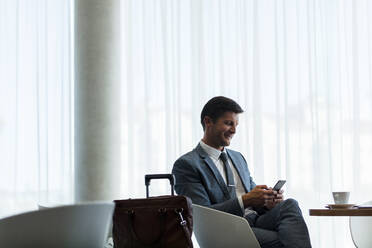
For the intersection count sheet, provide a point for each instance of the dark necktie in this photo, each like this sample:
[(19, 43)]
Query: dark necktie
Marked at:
[(229, 175)]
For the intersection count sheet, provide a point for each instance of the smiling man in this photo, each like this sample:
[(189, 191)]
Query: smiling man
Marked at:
[(216, 177)]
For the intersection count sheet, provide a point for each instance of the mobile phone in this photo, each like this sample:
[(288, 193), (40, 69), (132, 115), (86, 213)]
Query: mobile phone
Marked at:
[(279, 185)]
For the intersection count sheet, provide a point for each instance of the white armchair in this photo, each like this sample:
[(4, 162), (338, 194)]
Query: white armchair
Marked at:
[(83, 225), (360, 228)]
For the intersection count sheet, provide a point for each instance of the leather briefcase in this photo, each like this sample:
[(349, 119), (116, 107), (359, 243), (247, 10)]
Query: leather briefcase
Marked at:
[(158, 222)]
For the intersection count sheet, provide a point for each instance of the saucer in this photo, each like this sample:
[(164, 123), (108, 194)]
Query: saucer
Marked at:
[(340, 206), (364, 206)]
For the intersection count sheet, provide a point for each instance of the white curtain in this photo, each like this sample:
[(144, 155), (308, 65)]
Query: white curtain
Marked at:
[(300, 69), (36, 151)]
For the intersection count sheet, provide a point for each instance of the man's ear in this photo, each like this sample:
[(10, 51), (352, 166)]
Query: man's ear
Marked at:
[(207, 121)]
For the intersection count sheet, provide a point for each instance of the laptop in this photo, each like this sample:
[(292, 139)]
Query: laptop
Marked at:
[(217, 229)]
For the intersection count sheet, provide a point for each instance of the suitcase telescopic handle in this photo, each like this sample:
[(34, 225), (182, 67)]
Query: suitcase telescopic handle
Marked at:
[(170, 177)]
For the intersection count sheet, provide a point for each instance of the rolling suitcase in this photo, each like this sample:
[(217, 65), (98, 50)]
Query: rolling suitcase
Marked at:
[(157, 222)]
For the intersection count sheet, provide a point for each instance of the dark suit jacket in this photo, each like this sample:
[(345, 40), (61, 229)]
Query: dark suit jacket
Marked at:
[(198, 178)]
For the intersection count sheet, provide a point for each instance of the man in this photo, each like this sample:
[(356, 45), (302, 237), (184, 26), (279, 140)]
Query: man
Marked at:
[(214, 176)]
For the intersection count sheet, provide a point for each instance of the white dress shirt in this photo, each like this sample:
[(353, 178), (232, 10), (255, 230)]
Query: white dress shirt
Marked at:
[(214, 155)]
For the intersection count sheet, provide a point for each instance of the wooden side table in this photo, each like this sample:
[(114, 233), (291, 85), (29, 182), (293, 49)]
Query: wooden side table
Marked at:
[(348, 212), (341, 212)]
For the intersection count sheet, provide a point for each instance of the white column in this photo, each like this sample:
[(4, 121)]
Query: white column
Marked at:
[(97, 100)]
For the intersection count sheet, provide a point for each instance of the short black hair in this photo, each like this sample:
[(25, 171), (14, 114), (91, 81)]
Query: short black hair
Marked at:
[(217, 106)]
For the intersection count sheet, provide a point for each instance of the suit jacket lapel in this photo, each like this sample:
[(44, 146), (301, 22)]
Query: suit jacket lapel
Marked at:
[(239, 169), (214, 169)]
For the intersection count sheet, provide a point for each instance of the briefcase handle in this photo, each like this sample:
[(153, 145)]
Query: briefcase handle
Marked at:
[(170, 177)]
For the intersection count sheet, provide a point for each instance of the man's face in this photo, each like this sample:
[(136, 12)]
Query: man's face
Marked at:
[(220, 132)]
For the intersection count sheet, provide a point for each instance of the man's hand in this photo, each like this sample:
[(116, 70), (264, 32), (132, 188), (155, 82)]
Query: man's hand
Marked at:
[(258, 196), (278, 197)]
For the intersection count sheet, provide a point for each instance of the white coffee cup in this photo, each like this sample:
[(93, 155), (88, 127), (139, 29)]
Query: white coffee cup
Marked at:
[(341, 197)]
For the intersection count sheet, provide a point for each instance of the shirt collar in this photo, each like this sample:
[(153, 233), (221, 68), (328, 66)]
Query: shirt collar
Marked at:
[(211, 151)]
